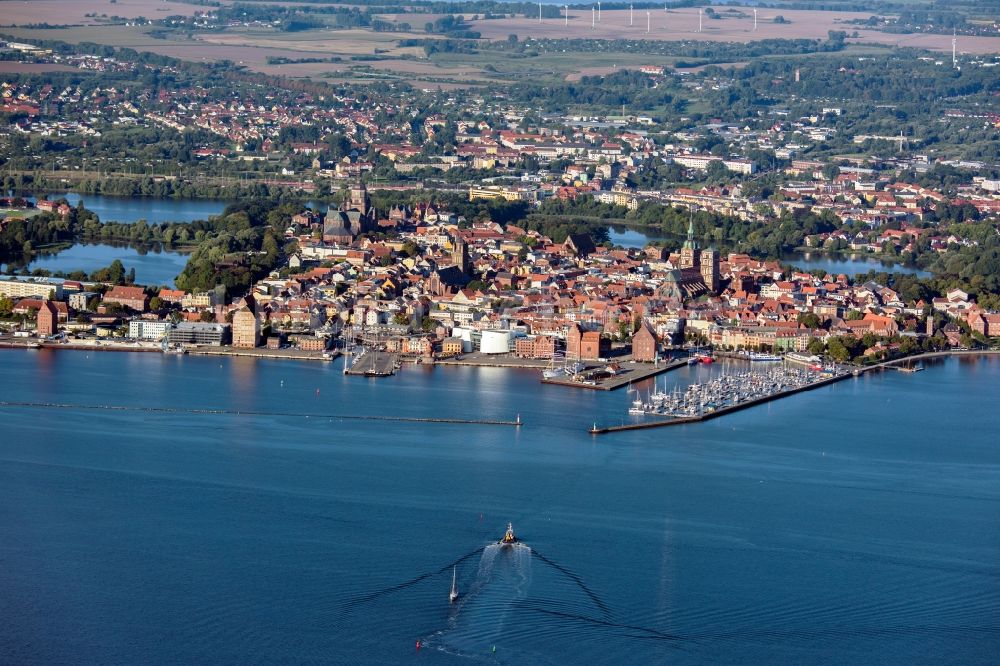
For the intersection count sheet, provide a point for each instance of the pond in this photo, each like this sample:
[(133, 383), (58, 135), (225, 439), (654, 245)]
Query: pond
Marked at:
[(153, 266), (153, 210), (851, 264)]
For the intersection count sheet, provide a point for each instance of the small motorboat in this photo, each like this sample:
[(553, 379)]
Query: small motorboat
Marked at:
[(508, 538), (453, 595)]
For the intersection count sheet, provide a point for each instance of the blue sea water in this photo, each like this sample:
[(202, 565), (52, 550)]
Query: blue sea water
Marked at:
[(857, 522)]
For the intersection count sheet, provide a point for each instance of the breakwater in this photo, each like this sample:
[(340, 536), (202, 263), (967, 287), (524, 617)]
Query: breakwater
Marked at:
[(595, 430), (237, 412)]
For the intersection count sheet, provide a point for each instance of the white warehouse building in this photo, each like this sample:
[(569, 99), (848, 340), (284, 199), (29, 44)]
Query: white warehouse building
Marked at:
[(496, 342)]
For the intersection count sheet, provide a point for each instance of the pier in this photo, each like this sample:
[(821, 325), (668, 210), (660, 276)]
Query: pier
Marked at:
[(261, 352), (629, 374), (595, 430), (373, 364), (234, 412)]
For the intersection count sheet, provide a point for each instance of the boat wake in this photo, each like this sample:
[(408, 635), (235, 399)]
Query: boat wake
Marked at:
[(480, 615), (491, 604), (372, 596)]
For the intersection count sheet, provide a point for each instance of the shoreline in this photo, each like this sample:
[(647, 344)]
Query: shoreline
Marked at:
[(500, 361), (156, 347)]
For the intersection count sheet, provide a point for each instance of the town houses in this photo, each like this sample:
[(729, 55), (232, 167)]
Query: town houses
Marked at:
[(439, 285), (431, 282)]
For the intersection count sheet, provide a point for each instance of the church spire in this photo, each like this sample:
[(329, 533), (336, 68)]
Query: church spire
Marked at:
[(691, 243)]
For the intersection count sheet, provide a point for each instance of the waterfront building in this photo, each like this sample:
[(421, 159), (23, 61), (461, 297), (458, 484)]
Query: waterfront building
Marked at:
[(47, 319), (197, 333), (39, 287), (585, 345), (985, 323), (451, 347), (495, 342), (537, 346), (644, 343), (246, 328), (307, 342), (147, 329)]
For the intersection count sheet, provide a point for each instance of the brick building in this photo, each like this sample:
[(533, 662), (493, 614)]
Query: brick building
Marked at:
[(644, 345), (133, 298), (594, 346), (47, 319), (538, 346)]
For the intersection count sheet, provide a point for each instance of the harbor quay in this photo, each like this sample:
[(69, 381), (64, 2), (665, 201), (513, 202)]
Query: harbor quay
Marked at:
[(628, 373)]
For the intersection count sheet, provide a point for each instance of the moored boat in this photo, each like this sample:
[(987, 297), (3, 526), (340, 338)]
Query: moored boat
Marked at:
[(802, 359)]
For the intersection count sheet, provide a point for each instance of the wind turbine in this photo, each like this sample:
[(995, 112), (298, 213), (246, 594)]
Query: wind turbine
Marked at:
[(630, 13), (598, 11), (539, 12), (755, 20), (567, 15), (699, 19), (593, 24), (647, 23)]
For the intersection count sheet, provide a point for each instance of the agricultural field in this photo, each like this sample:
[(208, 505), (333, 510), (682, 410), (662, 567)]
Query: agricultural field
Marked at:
[(368, 54), (9, 67), (736, 25), (75, 12)]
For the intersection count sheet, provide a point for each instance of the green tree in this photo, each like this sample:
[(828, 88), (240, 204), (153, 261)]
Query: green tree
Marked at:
[(816, 346), (838, 352), (809, 320)]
